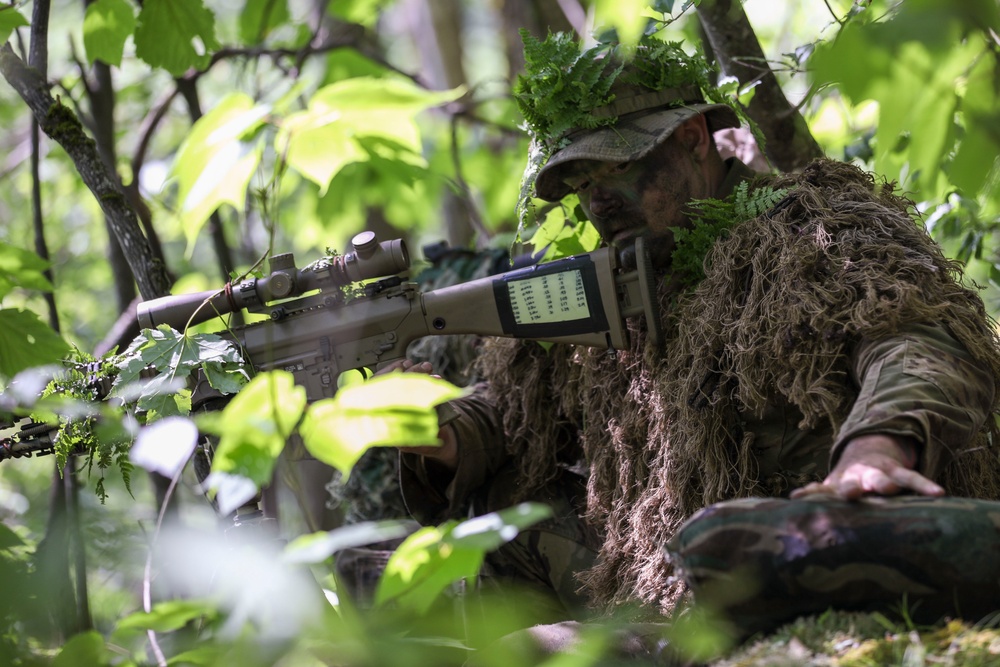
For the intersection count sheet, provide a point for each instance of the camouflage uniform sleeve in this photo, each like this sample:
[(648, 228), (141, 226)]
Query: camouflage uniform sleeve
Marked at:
[(921, 384), (433, 494)]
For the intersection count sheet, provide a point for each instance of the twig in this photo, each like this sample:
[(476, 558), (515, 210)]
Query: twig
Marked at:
[(475, 219), (147, 576)]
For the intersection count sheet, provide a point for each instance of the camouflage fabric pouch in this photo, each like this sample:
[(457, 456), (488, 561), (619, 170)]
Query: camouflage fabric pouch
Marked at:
[(765, 561)]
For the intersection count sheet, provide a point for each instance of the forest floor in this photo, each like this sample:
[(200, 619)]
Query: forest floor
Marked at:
[(840, 639)]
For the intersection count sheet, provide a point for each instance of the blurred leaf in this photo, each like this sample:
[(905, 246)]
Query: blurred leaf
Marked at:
[(176, 35), (317, 547), (21, 268), (168, 616), (26, 341), (215, 163), (86, 649), (256, 424), (627, 18), (260, 17), (9, 539), (392, 409), (560, 236), (106, 26), (165, 446), (203, 655), (925, 65), (10, 20), (230, 492), (980, 143), (364, 12), (491, 531)]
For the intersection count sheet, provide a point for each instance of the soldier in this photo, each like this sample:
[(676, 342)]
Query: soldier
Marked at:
[(817, 344)]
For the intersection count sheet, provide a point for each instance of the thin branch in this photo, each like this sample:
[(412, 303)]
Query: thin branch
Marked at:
[(575, 15), (832, 13), (147, 576), (475, 219), (146, 129)]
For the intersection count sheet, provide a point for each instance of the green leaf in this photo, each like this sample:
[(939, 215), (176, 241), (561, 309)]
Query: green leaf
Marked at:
[(86, 649), (388, 410), (327, 136), (9, 539), (10, 20), (363, 12), (424, 566), (257, 422), (26, 341), (224, 378), (176, 35), (562, 237), (168, 616), (260, 17), (319, 153), (174, 356), (916, 66), (432, 559), (21, 268), (203, 655), (980, 144), (106, 26), (215, 163), (627, 17)]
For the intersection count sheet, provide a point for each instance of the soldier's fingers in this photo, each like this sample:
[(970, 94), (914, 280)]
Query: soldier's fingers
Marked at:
[(422, 367), (393, 366), (812, 489), (913, 480)]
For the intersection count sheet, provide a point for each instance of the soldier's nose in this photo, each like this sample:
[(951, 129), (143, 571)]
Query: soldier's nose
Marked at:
[(604, 202)]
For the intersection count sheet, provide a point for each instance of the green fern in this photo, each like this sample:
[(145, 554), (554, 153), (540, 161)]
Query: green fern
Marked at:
[(562, 85), (712, 219)]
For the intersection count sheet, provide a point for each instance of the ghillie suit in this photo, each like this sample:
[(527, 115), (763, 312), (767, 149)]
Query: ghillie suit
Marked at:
[(787, 298)]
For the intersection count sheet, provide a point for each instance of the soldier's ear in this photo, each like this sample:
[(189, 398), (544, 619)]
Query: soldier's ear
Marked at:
[(694, 136)]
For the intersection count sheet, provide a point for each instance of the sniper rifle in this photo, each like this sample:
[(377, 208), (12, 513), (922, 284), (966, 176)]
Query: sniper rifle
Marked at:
[(317, 328)]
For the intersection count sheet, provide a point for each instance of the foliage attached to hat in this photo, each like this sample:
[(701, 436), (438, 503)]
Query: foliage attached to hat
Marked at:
[(565, 89)]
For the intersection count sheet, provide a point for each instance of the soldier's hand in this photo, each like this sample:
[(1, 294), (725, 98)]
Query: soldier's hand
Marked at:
[(446, 453), (873, 465), (406, 366)]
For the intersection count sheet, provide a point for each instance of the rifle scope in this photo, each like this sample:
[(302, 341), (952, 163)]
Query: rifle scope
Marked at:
[(370, 259)]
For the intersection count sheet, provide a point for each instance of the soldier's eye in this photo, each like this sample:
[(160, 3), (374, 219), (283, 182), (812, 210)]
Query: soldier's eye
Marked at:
[(621, 168)]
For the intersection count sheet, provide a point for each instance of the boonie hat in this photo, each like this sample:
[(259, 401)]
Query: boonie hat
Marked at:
[(609, 102), (645, 119)]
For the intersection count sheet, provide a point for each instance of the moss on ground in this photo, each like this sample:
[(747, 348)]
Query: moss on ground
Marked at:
[(841, 639)]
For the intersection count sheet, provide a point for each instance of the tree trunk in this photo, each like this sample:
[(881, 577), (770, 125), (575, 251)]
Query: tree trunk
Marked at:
[(789, 144), (61, 124)]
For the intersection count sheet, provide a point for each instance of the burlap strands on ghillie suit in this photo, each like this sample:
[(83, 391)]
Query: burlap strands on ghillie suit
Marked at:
[(786, 296)]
